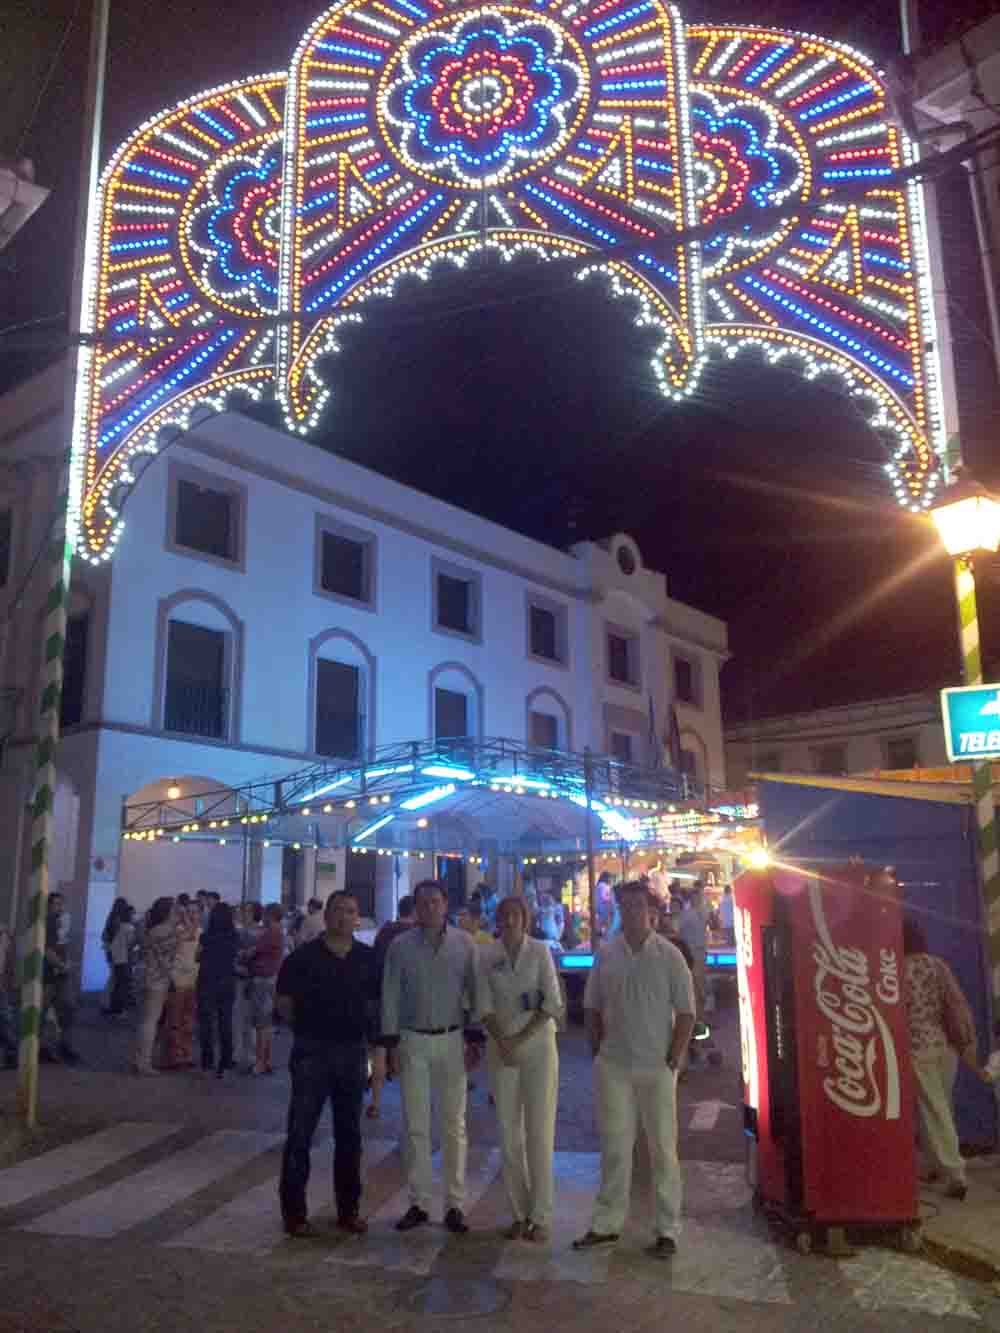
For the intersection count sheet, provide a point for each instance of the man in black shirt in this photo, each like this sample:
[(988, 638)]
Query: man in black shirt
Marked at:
[(328, 991), (406, 919)]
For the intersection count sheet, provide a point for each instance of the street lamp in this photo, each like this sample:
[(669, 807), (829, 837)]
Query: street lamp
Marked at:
[(967, 518)]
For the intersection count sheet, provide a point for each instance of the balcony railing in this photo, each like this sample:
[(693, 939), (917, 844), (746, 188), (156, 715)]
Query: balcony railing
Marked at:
[(196, 710)]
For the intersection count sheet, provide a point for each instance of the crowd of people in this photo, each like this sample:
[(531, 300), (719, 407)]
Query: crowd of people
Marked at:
[(422, 1002), (190, 967), (203, 964), (189, 970)]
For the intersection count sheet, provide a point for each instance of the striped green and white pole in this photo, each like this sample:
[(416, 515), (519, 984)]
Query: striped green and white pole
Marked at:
[(33, 940), (982, 773), (62, 541)]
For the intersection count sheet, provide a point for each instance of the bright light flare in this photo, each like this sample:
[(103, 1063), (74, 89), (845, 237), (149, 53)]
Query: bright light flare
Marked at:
[(967, 519)]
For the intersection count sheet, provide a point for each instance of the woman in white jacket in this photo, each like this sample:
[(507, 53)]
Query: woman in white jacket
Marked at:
[(520, 1004)]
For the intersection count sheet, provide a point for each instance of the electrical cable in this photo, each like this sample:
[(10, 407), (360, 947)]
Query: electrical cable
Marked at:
[(926, 169), (44, 85), (31, 323)]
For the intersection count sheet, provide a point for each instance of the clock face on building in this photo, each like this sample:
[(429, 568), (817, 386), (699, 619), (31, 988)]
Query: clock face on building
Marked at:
[(740, 185)]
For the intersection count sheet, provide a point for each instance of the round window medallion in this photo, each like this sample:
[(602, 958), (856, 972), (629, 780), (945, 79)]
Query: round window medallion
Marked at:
[(626, 560)]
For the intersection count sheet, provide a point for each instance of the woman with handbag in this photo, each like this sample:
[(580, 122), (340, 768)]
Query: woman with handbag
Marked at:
[(942, 1032)]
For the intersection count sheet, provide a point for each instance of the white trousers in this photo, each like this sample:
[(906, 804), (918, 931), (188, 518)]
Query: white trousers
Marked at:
[(433, 1068), (934, 1075), (244, 1039), (154, 999), (623, 1097), (526, 1095)]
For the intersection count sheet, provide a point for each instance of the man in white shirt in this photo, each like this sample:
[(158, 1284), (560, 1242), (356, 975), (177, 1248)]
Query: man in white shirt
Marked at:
[(659, 884), (429, 984), (726, 914), (313, 923), (691, 926), (639, 1009)]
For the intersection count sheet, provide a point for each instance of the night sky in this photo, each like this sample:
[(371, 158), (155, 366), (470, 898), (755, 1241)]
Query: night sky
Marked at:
[(528, 397)]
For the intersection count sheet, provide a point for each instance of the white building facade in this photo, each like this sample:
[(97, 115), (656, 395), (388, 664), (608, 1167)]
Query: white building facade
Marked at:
[(270, 604), (901, 732)]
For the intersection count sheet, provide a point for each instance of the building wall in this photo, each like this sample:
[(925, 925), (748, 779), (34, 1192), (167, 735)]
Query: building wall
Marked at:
[(277, 621), (800, 742)]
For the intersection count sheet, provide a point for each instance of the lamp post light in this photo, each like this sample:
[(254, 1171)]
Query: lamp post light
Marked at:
[(967, 518)]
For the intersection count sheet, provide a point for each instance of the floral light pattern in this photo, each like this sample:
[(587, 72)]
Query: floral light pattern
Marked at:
[(472, 104), (237, 231), (745, 159)]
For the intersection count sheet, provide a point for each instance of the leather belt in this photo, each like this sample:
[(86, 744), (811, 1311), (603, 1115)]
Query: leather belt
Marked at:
[(434, 1032)]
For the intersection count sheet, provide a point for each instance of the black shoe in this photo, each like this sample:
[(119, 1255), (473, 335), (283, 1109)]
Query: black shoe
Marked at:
[(455, 1221), (413, 1217), (591, 1239), (69, 1056), (47, 1057), (664, 1247), (303, 1230), (956, 1190)]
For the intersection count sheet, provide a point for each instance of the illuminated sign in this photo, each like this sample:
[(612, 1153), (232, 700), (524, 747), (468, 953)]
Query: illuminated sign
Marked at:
[(751, 811), (971, 722), (576, 962)]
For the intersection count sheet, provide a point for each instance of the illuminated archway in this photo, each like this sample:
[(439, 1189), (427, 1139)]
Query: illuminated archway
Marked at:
[(741, 184)]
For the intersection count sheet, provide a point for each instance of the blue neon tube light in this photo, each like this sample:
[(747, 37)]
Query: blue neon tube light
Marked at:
[(428, 797)]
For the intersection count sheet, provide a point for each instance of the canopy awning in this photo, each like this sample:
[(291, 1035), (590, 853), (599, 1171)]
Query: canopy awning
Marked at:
[(470, 797)]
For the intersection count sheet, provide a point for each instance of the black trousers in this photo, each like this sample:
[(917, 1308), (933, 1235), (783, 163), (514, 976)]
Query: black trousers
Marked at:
[(215, 1014), (121, 988), (321, 1070)]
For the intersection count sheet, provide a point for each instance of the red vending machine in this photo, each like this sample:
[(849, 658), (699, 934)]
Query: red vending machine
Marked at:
[(827, 1100)]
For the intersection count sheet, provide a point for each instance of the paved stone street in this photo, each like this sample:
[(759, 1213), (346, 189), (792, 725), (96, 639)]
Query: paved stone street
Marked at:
[(151, 1206)]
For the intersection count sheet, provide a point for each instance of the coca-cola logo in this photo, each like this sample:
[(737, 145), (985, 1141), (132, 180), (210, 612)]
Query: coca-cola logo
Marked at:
[(863, 1050)]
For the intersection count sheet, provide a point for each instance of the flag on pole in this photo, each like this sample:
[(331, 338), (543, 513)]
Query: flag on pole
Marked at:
[(675, 739), (655, 749)]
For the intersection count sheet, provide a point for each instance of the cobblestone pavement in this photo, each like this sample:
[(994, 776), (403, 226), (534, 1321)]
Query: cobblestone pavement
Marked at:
[(165, 1219)]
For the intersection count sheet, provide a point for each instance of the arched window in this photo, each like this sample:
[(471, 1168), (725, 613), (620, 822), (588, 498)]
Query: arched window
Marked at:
[(199, 667), (548, 721), (341, 722), (455, 703)]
